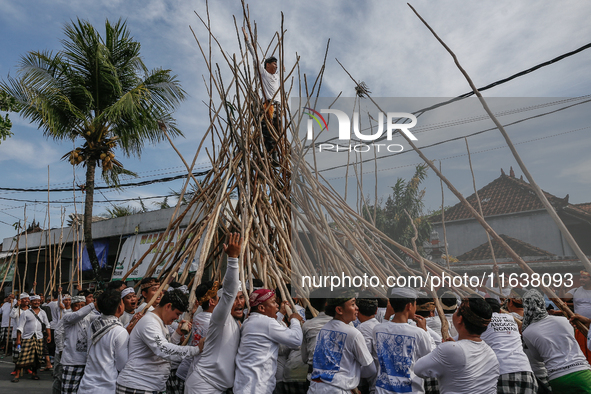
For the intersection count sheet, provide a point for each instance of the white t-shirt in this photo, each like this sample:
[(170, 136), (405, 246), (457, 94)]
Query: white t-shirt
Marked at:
[(338, 357), (434, 323), (150, 354), (270, 82), (28, 324), (58, 337), (199, 330), (142, 306), (5, 310), (581, 301), (452, 330), (380, 314), (552, 341), (436, 336), (105, 359), (397, 346), (215, 367), (256, 361), (125, 318), (310, 331), (55, 313), (462, 367), (502, 335), (75, 325), (15, 314)]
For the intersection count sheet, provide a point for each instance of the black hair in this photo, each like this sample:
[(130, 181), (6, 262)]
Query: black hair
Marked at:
[(115, 285), (318, 303), (201, 290), (331, 310), (278, 297), (365, 308), (423, 301), (177, 298), (317, 300), (271, 59), (449, 301), (258, 283), (398, 303), (494, 304), (108, 301), (382, 302), (144, 281), (85, 293), (54, 293), (175, 285), (480, 308)]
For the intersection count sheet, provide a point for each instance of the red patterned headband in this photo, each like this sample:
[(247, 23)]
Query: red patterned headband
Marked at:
[(259, 296)]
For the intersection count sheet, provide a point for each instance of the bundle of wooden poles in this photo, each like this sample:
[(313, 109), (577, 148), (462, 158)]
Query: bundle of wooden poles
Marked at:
[(291, 219)]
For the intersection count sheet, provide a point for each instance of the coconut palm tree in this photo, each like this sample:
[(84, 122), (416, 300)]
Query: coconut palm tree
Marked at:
[(97, 92)]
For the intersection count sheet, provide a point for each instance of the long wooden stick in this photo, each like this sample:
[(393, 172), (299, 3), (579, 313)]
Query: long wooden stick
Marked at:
[(551, 211)]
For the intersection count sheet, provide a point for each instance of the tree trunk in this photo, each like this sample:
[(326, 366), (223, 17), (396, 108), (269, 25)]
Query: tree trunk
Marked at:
[(88, 203)]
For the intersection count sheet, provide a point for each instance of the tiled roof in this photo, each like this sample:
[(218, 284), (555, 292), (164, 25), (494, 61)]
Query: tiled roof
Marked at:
[(506, 194), (586, 206), (522, 248)]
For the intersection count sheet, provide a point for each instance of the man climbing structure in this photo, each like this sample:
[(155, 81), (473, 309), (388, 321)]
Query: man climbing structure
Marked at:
[(270, 81)]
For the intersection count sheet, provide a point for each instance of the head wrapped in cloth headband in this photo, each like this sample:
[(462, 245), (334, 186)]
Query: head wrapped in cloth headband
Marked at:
[(210, 293), (426, 307), (153, 282), (342, 295), (259, 296), (182, 288), (125, 292), (77, 299), (465, 311)]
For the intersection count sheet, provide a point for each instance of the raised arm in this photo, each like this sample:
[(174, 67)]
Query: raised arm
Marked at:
[(252, 52), (231, 284), (75, 317)]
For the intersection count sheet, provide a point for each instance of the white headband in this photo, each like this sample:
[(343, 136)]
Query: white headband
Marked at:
[(23, 295), (220, 291), (182, 288), (34, 297), (404, 292), (127, 291), (77, 299)]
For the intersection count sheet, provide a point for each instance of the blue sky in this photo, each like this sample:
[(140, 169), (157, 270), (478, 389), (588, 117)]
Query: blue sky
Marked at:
[(380, 42)]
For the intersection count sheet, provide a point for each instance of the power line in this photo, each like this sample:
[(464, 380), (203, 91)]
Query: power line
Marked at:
[(143, 183), (97, 202)]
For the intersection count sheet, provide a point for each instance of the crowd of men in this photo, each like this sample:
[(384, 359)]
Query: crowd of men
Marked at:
[(355, 343)]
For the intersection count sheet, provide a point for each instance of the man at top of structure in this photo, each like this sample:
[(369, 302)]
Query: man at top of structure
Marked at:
[(270, 81), (268, 74)]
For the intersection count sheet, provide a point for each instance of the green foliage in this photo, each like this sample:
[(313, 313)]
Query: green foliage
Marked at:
[(7, 104), (162, 204), (391, 217), (98, 93), (97, 90), (118, 211)]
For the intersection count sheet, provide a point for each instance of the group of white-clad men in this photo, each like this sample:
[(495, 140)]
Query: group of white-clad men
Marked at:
[(352, 345)]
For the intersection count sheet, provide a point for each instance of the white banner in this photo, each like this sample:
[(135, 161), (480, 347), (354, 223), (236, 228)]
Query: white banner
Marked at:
[(136, 246)]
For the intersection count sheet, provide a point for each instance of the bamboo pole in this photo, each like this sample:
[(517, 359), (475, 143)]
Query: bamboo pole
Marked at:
[(551, 211)]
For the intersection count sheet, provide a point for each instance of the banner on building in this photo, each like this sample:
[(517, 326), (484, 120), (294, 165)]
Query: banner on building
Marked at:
[(136, 246)]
